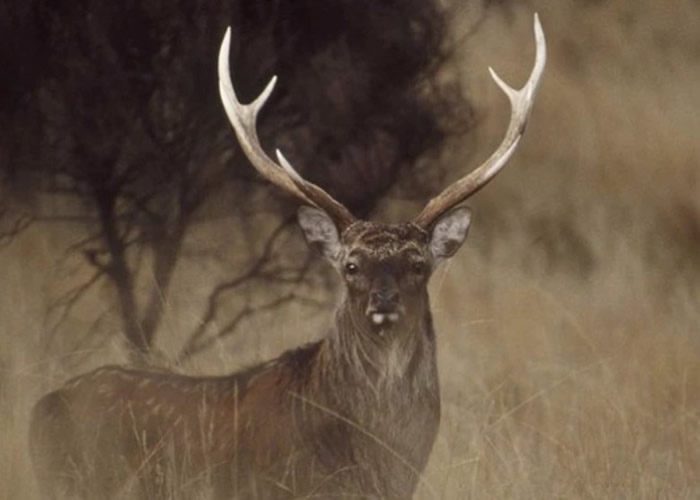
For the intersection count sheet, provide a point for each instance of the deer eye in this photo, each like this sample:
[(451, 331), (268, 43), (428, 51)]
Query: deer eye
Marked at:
[(351, 268), (418, 267)]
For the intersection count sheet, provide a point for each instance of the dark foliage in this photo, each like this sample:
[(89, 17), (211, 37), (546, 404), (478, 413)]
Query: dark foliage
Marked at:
[(113, 107)]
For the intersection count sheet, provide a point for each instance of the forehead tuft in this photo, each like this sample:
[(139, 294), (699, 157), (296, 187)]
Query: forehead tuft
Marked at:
[(373, 236)]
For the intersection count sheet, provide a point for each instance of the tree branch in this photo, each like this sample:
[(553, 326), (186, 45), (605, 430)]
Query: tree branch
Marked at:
[(252, 273), (195, 346)]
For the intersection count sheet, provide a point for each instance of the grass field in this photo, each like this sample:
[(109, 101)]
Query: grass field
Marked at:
[(568, 325)]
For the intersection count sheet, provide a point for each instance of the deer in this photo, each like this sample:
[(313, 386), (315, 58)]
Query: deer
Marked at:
[(353, 414)]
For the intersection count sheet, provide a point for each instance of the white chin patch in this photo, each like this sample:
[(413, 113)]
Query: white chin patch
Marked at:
[(384, 318)]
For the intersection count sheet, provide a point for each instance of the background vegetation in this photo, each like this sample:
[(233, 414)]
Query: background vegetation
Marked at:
[(568, 326)]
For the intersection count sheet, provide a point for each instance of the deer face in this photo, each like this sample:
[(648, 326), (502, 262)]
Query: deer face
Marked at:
[(386, 267)]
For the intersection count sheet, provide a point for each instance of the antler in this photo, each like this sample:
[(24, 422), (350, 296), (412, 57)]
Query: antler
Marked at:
[(243, 119), (521, 104)]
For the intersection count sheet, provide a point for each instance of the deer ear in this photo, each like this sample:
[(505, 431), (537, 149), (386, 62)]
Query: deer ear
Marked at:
[(449, 232), (320, 232)]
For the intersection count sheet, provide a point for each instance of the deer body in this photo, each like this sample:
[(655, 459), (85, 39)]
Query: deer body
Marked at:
[(352, 415), (210, 430)]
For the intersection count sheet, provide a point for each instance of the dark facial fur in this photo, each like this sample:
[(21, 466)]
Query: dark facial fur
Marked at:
[(386, 270)]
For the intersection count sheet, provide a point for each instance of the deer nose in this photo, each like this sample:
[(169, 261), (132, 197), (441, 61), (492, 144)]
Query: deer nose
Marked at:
[(384, 305), (385, 298)]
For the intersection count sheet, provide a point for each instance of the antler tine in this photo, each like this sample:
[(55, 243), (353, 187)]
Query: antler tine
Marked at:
[(243, 118), (521, 102)]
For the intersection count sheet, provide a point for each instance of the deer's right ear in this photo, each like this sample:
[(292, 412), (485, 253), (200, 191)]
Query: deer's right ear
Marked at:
[(320, 232)]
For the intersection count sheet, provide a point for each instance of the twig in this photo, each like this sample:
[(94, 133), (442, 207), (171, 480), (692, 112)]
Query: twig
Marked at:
[(227, 330), (210, 313)]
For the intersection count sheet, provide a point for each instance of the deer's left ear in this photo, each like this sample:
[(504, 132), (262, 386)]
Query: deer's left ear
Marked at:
[(320, 232), (449, 232)]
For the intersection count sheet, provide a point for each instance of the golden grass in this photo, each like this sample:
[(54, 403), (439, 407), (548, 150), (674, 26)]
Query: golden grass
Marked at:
[(554, 395), (568, 329)]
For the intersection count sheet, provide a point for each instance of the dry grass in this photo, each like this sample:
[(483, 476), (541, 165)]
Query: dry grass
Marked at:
[(568, 329)]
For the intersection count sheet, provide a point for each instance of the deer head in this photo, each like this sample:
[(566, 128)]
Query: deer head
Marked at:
[(385, 267)]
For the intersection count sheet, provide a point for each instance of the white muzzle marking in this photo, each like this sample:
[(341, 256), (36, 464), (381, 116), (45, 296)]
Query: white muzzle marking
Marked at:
[(383, 318)]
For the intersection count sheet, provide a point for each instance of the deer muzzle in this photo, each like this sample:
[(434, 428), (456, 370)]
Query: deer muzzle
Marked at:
[(384, 307)]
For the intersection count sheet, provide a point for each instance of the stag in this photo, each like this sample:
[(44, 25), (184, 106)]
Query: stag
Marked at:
[(354, 414)]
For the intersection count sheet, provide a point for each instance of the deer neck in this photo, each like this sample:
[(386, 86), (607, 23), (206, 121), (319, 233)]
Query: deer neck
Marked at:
[(381, 360)]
